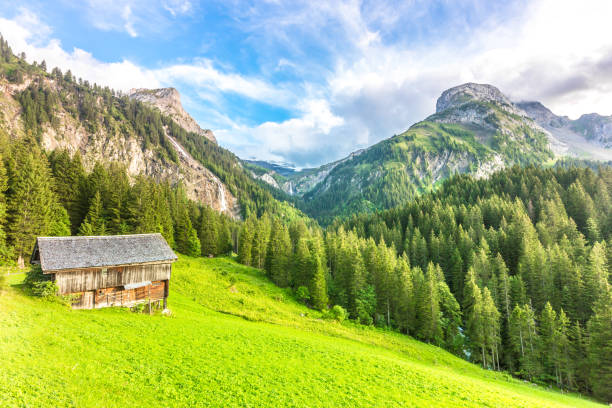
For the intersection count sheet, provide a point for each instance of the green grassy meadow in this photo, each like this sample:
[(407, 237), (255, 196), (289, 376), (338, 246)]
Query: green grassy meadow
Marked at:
[(233, 340)]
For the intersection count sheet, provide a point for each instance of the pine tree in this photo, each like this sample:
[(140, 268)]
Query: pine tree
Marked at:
[(456, 274), (245, 242), (547, 336), (418, 254), (451, 319), (94, 223), (302, 267), (579, 367), (30, 198), (279, 255), (224, 242), (69, 177), (406, 308), (600, 348), (428, 308), (595, 280), (186, 237), (261, 236), (318, 285), (209, 232), (562, 357), (491, 327), (522, 328), (474, 316)]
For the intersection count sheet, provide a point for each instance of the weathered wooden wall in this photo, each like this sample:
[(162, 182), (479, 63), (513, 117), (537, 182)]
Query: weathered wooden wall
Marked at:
[(82, 280), (117, 296)]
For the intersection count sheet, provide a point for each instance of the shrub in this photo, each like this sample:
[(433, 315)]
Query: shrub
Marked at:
[(338, 313), (302, 294), (40, 284), (14, 76)]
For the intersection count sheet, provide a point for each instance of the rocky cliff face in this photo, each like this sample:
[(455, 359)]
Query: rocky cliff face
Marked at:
[(168, 100), (462, 94), (303, 181), (595, 127), (542, 115), (589, 137), (105, 146)]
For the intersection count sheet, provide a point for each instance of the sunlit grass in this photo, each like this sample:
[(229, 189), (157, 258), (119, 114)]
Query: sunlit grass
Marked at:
[(264, 349)]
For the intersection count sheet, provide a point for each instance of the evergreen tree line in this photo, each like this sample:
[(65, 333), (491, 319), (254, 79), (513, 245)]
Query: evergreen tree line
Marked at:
[(53, 195), (512, 272)]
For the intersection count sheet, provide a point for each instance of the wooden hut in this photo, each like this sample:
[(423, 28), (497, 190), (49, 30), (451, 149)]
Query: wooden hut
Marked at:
[(102, 271)]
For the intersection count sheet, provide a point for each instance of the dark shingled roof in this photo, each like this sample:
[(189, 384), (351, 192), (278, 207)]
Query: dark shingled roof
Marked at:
[(57, 253)]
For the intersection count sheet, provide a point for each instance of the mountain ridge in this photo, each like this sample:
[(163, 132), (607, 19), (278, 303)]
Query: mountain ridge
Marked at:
[(115, 142), (476, 130), (589, 136), (168, 101), (486, 132)]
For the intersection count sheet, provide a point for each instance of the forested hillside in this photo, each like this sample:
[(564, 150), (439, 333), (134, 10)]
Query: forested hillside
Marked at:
[(58, 110), (54, 195), (475, 130), (511, 272), (49, 190)]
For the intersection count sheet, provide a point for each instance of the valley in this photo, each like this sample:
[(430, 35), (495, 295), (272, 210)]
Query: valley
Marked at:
[(464, 262)]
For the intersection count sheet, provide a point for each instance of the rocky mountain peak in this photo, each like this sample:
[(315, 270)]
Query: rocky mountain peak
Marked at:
[(470, 91), (596, 127), (541, 114), (168, 100)]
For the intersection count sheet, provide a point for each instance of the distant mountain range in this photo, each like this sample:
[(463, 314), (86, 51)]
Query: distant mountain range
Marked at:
[(284, 169), (476, 129), (589, 136)]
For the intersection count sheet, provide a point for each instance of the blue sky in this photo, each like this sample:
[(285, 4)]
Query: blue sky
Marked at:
[(309, 82)]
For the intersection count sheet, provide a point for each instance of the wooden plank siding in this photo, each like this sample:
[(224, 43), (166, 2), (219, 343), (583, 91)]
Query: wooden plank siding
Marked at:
[(117, 296), (82, 280)]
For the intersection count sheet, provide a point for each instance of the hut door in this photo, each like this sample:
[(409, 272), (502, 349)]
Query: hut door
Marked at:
[(141, 293), (85, 301)]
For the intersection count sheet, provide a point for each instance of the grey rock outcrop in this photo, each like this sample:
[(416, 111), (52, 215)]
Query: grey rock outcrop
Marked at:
[(470, 91), (590, 136), (168, 101), (595, 127)]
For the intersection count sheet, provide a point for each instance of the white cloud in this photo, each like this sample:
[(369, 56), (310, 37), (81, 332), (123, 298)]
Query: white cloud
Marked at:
[(555, 51), (370, 83), (126, 15), (28, 34), (306, 139), (204, 75), (177, 7), (31, 37)]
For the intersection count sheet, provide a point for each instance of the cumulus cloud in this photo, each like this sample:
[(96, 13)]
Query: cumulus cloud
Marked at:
[(361, 70), (554, 51), (26, 33)]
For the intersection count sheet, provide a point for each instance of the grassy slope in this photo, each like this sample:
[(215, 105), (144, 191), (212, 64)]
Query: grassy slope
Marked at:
[(394, 171), (279, 354)]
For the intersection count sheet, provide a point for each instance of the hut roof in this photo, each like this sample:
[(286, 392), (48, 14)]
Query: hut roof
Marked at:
[(59, 253)]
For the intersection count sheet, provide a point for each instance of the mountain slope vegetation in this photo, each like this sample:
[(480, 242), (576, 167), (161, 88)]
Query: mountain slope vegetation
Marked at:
[(476, 130), (510, 272), (199, 357), (60, 111)]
